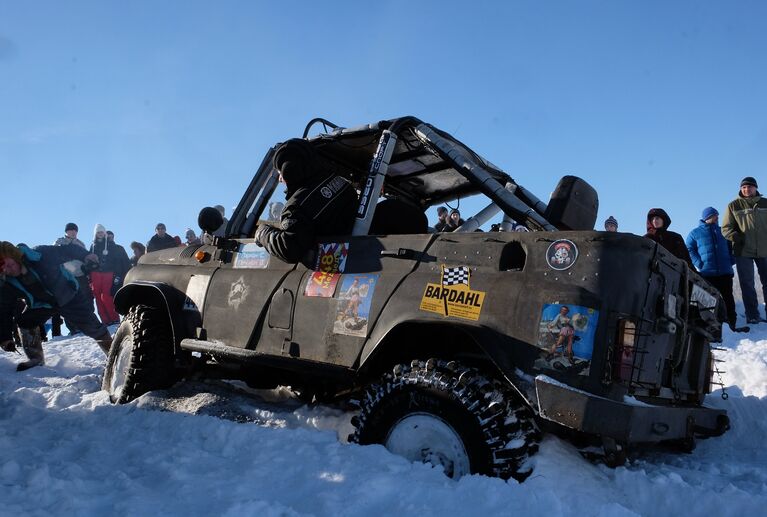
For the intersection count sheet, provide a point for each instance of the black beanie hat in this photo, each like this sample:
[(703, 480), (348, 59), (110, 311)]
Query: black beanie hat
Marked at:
[(748, 180), (295, 159), (71, 226)]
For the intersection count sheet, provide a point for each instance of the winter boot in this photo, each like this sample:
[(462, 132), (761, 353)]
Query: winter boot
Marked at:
[(32, 344), (735, 328), (105, 342), (9, 345)]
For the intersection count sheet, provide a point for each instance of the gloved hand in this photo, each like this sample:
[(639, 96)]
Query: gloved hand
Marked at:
[(90, 264), (117, 283), (258, 233), (8, 345), (262, 233)]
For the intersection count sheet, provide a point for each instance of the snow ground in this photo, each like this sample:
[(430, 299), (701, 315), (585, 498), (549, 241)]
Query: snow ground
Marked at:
[(210, 449)]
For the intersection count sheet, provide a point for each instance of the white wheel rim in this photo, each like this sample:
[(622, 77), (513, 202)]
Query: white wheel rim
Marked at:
[(427, 438), (120, 370)]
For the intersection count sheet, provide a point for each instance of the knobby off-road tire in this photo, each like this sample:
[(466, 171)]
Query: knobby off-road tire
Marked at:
[(450, 415), (141, 358)]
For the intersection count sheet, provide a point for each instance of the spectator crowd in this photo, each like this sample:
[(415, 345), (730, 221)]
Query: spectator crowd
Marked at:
[(69, 282)]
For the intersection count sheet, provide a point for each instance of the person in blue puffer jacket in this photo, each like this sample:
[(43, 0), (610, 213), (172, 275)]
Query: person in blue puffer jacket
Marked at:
[(712, 256), (38, 276)]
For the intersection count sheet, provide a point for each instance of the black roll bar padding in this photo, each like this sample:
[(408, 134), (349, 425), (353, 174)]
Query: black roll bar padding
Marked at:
[(401, 122), (530, 199), (475, 172), (318, 120), (240, 212), (523, 205)]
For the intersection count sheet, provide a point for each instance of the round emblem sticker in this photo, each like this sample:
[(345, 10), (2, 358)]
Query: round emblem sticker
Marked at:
[(561, 254), (326, 192)]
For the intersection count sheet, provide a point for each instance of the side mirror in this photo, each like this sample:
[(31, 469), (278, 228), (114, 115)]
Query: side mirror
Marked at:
[(210, 219)]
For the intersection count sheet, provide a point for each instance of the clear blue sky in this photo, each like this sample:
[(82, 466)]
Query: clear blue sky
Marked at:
[(130, 113)]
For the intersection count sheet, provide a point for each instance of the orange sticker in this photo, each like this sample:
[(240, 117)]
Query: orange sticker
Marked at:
[(322, 284)]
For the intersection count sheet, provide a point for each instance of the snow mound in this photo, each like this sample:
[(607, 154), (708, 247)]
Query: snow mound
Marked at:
[(214, 448)]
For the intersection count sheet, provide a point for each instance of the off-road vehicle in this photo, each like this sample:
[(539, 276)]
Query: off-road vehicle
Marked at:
[(458, 348)]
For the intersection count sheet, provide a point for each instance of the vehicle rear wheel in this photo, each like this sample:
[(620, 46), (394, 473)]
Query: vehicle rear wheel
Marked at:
[(141, 358), (451, 416)]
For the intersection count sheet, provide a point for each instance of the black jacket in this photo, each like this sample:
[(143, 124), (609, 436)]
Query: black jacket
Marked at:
[(8, 297), (672, 241), (112, 257), (325, 207), (157, 243)]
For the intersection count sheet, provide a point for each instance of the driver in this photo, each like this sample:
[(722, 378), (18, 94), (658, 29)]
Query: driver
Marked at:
[(318, 203)]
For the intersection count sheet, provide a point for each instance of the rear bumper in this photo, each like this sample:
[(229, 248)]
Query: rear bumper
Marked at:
[(627, 423)]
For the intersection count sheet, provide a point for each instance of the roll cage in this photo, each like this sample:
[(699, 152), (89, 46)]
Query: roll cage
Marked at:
[(413, 162)]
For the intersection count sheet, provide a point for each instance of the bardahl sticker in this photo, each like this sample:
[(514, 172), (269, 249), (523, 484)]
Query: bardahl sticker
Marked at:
[(453, 297), (251, 256), (331, 262), (561, 254)]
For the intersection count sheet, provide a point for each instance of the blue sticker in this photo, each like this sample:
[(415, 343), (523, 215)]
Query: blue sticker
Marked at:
[(354, 300), (251, 256), (566, 334)]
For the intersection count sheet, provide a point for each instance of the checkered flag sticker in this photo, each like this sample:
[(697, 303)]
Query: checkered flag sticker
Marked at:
[(455, 275)]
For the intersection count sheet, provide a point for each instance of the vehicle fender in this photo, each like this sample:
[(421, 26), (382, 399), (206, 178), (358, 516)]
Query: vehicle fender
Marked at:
[(155, 294)]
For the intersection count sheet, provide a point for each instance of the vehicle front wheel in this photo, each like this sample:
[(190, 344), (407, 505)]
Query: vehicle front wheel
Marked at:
[(141, 358), (451, 416)]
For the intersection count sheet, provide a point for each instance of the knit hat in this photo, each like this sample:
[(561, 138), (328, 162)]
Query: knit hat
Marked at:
[(7, 249), (71, 226), (296, 161), (709, 211), (190, 233), (748, 180), (98, 228), (611, 220)]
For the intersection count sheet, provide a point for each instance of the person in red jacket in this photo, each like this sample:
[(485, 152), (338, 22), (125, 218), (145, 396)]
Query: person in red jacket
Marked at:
[(658, 222), (113, 264)]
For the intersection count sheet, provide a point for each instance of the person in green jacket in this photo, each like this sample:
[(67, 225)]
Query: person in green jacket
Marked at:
[(745, 225)]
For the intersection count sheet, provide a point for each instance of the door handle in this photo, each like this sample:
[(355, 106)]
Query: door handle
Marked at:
[(402, 253)]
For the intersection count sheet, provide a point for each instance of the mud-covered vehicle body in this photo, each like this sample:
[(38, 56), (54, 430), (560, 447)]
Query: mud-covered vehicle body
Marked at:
[(450, 343)]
